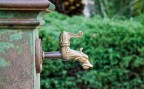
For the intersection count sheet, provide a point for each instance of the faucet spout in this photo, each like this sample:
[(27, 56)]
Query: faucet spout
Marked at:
[(79, 56)]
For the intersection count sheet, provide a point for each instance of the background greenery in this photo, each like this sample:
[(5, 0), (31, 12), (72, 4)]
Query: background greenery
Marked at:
[(115, 47), (127, 8), (105, 8)]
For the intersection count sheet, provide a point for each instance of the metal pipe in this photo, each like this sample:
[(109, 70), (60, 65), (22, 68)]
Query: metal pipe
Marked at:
[(53, 55)]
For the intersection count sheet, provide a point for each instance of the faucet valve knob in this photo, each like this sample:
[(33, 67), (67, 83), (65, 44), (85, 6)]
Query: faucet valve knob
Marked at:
[(66, 36), (80, 33)]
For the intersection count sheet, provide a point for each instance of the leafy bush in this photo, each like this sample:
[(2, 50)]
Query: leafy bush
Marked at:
[(140, 18), (115, 48), (128, 8)]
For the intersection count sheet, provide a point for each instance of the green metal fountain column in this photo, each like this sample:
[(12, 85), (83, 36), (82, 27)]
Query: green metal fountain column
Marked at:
[(18, 40)]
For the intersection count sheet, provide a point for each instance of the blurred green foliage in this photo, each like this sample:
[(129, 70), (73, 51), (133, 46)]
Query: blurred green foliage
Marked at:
[(115, 48), (128, 8)]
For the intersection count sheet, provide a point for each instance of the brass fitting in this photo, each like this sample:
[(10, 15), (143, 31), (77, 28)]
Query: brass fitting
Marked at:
[(66, 53)]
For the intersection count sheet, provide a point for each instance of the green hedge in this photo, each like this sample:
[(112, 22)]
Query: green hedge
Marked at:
[(115, 48)]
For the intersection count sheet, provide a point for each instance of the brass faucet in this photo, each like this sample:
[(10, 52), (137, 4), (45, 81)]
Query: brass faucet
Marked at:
[(66, 53)]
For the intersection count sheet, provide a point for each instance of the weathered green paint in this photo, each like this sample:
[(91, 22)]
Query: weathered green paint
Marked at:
[(19, 49), (5, 45), (17, 54), (16, 36), (52, 7), (18, 14), (4, 63)]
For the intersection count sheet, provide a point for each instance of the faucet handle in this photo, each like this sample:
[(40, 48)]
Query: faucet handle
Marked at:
[(66, 36), (72, 35)]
